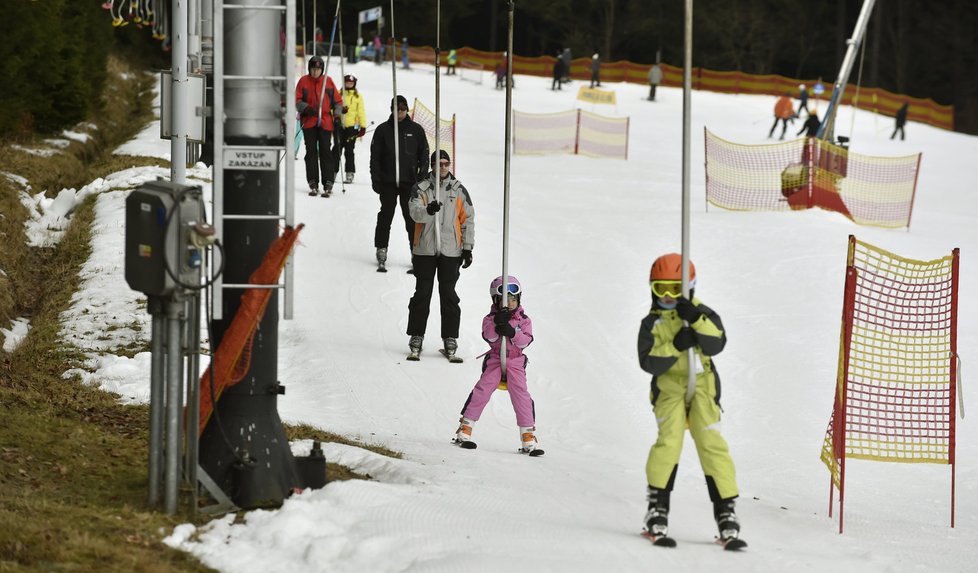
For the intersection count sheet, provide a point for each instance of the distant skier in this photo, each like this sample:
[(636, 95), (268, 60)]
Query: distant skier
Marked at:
[(405, 59), (655, 78), (444, 234), (596, 70), (451, 60), (673, 326), (501, 72), (378, 49), (802, 100), (782, 112), (901, 120), (810, 128), (514, 326), (354, 126), (558, 73)]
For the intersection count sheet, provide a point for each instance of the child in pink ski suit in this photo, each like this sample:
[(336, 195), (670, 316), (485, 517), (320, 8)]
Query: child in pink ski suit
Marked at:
[(513, 325)]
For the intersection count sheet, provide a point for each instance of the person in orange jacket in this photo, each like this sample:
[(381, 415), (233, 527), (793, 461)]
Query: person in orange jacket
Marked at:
[(318, 119), (783, 111)]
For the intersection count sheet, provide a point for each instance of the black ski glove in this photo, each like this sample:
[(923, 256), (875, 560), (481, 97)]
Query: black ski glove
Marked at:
[(466, 258), (684, 339), (687, 310), (502, 316), (506, 330), (433, 207)]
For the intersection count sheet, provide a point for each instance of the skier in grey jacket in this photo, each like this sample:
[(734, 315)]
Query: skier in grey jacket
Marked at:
[(442, 251)]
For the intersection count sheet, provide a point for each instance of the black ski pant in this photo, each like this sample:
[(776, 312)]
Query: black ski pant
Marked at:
[(389, 195), (784, 126), (319, 155), (425, 269), (652, 92), (345, 145)]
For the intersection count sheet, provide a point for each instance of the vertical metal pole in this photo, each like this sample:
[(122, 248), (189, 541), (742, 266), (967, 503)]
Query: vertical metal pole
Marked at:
[(827, 130), (510, 7), (217, 302), (156, 396), (397, 138), (180, 88), (687, 116), (436, 169), (290, 81), (173, 405), (191, 435)]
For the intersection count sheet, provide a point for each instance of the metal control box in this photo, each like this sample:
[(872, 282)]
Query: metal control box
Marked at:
[(161, 259)]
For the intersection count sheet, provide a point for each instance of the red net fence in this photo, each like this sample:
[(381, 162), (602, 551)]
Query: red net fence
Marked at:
[(806, 173), (896, 387)]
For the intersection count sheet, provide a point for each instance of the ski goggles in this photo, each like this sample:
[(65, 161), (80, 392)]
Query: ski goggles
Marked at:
[(671, 289), (511, 288)]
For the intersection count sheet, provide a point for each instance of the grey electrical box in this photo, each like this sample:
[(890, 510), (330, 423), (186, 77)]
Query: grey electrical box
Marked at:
[(161, 259)]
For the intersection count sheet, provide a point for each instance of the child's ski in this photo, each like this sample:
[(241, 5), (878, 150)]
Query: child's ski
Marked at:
[(732, 543), (453, 358), (659, 540)]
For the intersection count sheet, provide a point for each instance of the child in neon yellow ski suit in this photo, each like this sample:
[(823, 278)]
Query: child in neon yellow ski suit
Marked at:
[(674, 325)]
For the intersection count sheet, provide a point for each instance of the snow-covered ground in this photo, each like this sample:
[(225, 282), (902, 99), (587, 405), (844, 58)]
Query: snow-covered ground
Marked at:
[(583, 235)]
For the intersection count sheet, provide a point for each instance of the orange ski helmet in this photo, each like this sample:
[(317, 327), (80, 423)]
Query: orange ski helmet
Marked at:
[(670, 268)]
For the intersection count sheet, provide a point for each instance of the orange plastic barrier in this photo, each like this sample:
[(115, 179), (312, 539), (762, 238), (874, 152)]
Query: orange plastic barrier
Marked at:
[(232, 358), (924, 110)]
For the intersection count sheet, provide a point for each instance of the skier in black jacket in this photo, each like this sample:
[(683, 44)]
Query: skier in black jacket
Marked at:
[(413, 156)]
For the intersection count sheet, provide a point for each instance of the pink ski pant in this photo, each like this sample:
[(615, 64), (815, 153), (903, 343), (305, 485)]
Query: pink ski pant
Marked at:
[(516, 383)]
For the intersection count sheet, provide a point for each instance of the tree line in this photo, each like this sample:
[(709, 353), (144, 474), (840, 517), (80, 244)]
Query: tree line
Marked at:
[(914, 47), (53, 53)]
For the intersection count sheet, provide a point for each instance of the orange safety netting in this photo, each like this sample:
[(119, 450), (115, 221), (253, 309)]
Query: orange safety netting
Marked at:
[(232, 358), (807, 173)]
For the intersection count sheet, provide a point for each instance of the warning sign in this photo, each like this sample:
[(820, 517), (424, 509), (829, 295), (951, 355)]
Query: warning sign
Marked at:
[(251, 159)]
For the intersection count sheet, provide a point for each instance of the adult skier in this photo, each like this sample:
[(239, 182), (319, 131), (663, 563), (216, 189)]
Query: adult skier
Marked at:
[(319, 110), (439, 253), (412, 152)]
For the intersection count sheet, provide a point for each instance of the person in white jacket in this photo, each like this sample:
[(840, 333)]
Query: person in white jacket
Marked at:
[(444, 234)]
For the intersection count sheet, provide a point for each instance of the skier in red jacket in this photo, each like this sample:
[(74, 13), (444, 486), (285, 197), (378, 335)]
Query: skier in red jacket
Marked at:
[(320, 106)]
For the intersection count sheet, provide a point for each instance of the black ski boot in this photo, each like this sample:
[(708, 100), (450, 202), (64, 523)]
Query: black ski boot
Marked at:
[(728, 524), (657, 518)]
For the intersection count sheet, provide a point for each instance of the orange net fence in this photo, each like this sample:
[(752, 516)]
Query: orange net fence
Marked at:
[(232, 359)]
